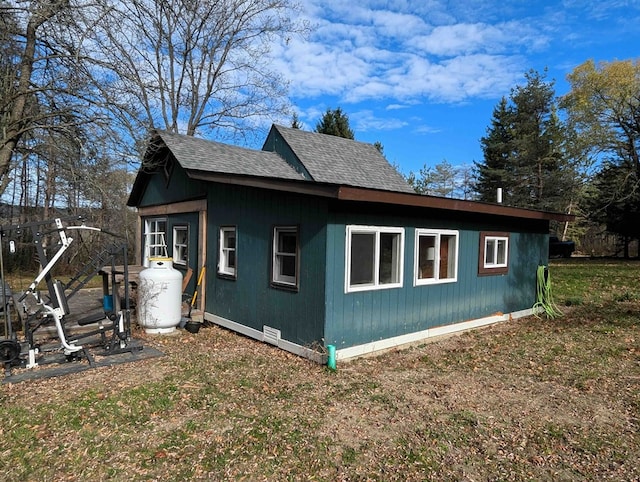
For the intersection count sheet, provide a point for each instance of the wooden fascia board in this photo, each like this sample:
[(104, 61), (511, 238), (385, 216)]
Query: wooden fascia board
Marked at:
[(196, 205), (299, 187), (346, 193)]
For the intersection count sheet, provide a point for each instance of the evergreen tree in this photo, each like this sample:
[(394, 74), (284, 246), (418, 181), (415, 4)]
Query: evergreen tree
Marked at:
[(525, 150), (496, 147), (442, 180), (335, 123), (295, 121)]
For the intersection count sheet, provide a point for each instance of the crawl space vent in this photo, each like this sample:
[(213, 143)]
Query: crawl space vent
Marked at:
[(271, 335)]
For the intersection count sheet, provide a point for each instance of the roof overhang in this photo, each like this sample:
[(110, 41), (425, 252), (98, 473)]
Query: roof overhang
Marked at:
[(346, 193), (391, 198)]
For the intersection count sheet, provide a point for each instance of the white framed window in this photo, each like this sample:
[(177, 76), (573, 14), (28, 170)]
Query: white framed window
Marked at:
[(181, 245), (436, 256), (374, 258), (155, 236), (494, 253), (284, 271), (227, 252)]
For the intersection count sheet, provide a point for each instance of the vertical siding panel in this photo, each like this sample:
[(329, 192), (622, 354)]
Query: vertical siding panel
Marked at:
[(379, 314), (250, 300)]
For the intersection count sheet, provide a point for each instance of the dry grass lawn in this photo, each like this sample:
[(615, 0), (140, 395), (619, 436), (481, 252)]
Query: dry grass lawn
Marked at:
[(531, 399)]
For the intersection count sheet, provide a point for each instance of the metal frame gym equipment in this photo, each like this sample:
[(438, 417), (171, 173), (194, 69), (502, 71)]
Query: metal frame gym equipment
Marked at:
[(39, 313)]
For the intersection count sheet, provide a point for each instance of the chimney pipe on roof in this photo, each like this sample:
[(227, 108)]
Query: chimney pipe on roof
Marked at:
[(499, 195)]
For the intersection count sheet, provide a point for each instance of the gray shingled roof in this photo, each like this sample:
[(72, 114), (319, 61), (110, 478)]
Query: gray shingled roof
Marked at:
[(329, 159), (336, 160), (203, 155)]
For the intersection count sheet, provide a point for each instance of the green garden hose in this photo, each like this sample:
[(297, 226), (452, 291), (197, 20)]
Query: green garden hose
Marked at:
[(544, 300)]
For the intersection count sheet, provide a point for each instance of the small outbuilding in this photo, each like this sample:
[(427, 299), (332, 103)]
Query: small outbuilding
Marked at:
[(316, 240)]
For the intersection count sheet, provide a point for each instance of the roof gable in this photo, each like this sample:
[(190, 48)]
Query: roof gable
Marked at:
[(336, 160), (203, 155)]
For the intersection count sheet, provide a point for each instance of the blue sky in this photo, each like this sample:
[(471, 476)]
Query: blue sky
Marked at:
[(423, 77)]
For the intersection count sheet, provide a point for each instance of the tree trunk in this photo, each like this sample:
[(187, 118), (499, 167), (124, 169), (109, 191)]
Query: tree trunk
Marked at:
[(17, 121)]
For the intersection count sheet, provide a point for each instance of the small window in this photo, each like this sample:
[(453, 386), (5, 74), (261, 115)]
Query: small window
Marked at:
[(227, 253), (155, 245), (285, 257), (494, 253), (181, 245), (374, 258), (436, 257)]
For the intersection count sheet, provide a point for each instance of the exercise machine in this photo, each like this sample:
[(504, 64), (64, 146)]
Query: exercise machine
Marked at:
[(52, 333)]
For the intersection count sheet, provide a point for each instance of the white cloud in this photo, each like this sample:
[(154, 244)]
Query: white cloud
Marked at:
[(397, 106), (366, 120), (402, 53), (462, 39)]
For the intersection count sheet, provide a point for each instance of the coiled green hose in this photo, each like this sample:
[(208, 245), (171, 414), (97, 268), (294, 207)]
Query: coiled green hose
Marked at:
[(544, 299)]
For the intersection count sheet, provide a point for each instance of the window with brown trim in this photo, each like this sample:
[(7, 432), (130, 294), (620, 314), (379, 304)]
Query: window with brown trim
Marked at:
[(494, 253)]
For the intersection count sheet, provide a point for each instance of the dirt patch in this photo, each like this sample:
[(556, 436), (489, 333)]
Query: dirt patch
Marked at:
[(529, 399)]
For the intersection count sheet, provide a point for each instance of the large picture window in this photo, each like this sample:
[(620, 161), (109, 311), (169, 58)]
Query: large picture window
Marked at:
[(181, 245), (285, 260), (374, 258), (494, 253), (436, 256), (227, 252)]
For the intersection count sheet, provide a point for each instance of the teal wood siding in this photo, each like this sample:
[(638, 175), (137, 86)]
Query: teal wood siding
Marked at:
[(250, 299), (191, 220), (362, 317), (179, 188)]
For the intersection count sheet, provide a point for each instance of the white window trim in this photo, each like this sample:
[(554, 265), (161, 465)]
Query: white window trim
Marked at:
[(223, 253), (377, 230), (159, 238), (283, 280), (176, 246), (438, 233), (495, 252)]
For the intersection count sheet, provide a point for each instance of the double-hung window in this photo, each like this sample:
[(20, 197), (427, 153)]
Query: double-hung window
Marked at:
[(227, 252), (181, 245), (436, 256), (494, 253), (374, 258), (285, 260)]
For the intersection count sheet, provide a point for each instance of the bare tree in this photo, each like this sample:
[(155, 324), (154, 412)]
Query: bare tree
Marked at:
[(188, 66), (44, 99), (19, 88)]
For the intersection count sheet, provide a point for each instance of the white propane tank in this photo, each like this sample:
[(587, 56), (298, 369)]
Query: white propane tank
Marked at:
[(160, 296)]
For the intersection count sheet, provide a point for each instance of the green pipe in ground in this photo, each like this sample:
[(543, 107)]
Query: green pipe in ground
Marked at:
[(331, 359)]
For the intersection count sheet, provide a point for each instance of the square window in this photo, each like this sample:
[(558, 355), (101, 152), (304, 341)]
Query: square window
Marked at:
[(494, 253), (285, 257), (436, 257), (227, 252), (374, 258), (181, 245)]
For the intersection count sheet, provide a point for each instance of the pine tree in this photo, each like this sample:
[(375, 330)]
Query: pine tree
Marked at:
[(335, 123), (496, 146), (525, 150), (295, 121)]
